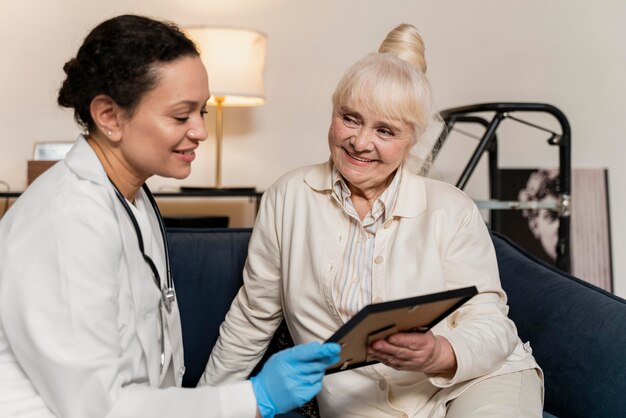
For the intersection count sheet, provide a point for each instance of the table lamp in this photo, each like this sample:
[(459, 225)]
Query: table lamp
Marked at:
[(235, 60)]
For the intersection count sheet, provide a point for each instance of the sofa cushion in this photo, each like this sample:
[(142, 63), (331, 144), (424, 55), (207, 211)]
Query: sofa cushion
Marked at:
[(577, 332), (207, 266)]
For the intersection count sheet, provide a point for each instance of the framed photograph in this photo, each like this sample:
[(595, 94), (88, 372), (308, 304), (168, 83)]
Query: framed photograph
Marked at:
[(379, 320), (537, 230)]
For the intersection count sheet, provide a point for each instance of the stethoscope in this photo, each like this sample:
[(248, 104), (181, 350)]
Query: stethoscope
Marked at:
[(168, 296)]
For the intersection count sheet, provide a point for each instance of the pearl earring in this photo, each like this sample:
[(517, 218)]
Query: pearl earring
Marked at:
[(109, 133)]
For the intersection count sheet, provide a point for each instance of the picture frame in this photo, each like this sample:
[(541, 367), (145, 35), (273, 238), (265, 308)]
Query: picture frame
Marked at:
[(535, 230), (51, 151)]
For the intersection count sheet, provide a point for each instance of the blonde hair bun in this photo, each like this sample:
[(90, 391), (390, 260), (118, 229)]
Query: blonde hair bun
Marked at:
[(405, 42)]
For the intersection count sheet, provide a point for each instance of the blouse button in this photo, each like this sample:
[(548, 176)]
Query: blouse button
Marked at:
[(382, 385), (379, 259)]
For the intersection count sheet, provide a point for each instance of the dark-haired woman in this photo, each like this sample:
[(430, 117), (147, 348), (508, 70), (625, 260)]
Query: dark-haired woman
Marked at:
[(89, 325)]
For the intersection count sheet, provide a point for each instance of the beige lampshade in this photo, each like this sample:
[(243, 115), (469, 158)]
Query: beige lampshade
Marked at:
[(235, 60)]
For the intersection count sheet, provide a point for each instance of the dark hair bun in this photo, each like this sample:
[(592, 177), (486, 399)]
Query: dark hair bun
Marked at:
[(116, 59)]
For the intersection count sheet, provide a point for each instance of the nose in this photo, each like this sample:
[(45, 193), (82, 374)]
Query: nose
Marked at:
[(198, 132), (362, 141)]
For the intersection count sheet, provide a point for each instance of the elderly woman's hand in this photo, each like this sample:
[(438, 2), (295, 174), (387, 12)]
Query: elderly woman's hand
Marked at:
[(413, 351)]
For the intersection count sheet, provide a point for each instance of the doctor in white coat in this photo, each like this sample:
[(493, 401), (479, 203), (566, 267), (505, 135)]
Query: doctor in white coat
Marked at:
[(89, 325)]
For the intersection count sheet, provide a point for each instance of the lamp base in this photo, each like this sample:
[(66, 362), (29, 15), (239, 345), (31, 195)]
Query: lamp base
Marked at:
[(217, 191)]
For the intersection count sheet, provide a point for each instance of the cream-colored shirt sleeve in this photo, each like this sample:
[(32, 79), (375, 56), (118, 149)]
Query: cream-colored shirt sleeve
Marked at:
[(256, 311), (481, 334)]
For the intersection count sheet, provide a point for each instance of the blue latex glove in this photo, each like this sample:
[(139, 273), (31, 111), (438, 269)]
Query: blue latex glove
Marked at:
[(292, 377)]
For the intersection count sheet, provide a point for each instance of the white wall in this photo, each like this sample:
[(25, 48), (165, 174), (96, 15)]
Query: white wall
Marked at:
[(569, 53)]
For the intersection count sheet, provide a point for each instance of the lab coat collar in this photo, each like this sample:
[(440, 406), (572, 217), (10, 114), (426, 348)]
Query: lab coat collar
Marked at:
[(411, 200), (84, 162)]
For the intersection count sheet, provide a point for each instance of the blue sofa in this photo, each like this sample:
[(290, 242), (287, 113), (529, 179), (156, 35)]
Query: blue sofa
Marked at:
[(577, 331)]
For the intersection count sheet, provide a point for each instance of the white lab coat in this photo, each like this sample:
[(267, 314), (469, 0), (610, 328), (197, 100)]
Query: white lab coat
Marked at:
[(79, 309)]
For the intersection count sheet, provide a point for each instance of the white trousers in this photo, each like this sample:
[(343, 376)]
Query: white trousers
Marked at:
[(515, 395)]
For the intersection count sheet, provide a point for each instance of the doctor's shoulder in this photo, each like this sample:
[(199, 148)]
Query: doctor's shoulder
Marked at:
[(58, 197)]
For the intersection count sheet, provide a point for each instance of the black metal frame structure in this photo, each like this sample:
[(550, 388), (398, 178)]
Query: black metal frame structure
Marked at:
[(474, 114)]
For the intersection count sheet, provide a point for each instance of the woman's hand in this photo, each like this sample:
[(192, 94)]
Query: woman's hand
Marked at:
[(414, 351)]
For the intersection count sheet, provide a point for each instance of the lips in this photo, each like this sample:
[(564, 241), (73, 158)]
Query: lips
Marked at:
[(360, 159), (186, 155)]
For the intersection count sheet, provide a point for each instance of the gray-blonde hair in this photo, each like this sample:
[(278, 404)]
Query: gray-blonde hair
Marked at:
[(392, 82)]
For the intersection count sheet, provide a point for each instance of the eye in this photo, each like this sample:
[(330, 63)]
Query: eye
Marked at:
[(181, 119), (350, 121), (203, 112), (385, 132)]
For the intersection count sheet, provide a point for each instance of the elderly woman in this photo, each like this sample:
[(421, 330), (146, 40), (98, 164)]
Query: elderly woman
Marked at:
[(365, 228)]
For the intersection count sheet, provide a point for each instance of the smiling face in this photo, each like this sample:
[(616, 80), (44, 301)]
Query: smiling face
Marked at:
[(367, 147), (165, 128)]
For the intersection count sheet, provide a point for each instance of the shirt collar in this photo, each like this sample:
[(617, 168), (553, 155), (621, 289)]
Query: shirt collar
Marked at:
[(382, 205), (411, 194)]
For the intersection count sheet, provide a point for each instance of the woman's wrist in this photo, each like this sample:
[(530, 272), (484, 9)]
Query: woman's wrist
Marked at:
[(443, 359)]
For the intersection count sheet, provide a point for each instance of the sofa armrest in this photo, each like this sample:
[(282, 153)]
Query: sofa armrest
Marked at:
[(577, 332)]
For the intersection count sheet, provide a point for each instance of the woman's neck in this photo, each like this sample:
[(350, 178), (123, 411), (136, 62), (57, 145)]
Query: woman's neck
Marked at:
[(122, 177), (363, 199)]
